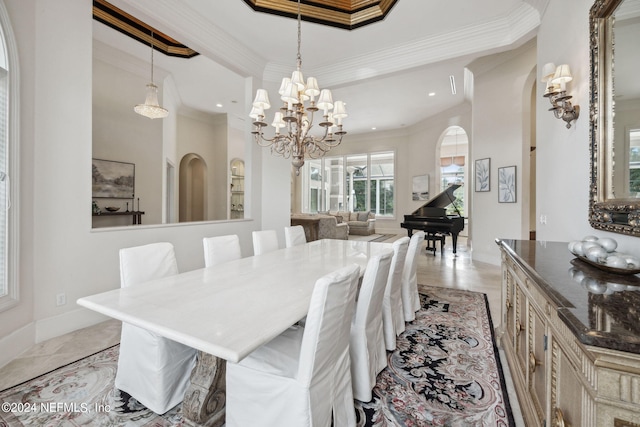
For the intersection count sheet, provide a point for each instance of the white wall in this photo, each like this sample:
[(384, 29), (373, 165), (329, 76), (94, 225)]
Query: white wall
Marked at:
[(60, 253), (499, 117), (563, 154), (121, 136)]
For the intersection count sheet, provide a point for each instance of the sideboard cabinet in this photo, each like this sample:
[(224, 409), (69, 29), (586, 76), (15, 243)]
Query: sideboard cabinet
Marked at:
[(571, 336)]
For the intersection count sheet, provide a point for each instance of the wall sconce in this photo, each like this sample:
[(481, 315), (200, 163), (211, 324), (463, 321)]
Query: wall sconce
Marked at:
[(556, 79)]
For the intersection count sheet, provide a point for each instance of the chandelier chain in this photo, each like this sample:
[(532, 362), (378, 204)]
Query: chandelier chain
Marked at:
[(299, 57), (151, 56), (295, 119)]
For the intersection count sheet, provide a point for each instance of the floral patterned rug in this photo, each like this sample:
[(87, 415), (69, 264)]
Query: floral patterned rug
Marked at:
[(444, 372)]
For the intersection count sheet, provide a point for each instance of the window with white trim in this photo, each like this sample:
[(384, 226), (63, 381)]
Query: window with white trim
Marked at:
[(354, 183), (8, 163)]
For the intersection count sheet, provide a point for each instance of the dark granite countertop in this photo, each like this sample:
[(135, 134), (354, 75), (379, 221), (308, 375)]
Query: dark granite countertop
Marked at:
[(602, 309)]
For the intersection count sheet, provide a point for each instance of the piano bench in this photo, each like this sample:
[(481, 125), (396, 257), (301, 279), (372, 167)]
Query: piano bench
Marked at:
[(431, 239)]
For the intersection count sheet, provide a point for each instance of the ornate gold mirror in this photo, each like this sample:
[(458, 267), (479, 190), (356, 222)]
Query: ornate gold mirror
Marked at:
[(614, 203)]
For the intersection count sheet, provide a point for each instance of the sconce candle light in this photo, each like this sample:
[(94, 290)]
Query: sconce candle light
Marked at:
[(556, 79)]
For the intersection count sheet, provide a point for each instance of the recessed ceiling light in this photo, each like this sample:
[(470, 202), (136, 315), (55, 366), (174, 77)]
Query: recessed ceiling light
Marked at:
[(373, 128), (432, 94), (219, 105)]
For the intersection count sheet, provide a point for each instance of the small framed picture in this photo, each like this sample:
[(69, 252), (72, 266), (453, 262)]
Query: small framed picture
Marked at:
[(483, 175), (507, 184), (113, 180), (420, 187)]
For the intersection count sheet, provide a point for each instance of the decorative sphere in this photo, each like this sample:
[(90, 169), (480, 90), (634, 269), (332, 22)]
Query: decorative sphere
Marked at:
[(577, 249), (589, 244), (617, 287), (616, 262), (596, 254), (609, 244), (589, 239), (571, 245), (633, 262), (594, 286)]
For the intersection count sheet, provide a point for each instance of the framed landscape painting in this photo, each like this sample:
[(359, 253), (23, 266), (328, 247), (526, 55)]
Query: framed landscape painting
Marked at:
[(420, 187), (507, 184), (114, 180), (483, 175)]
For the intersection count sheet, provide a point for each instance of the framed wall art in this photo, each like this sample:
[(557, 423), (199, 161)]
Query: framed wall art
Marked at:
[(507, 184), (420, 187), (483, 175), (114, 180)]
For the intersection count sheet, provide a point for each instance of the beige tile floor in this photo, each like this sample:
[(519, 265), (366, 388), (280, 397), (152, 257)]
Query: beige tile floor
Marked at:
[(459, 272)]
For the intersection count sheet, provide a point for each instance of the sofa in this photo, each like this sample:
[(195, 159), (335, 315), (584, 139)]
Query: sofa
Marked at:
[(360, 223), (317, 226)]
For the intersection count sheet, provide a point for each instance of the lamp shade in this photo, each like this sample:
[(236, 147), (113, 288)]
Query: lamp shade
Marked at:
[(151, 108), (326, 100), (339, 111), (562, 74), (256, 112), (277, 121), (312, 87), (298, 80), (262, 99), (290, 94), (548, 70), (283, 86)]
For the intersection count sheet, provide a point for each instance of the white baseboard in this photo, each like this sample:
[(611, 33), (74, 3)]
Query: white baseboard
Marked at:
[(55, 326), (16, 343)]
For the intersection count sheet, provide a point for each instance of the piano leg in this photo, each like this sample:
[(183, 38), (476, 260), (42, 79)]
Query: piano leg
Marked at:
[(454, 241), (409, 232)]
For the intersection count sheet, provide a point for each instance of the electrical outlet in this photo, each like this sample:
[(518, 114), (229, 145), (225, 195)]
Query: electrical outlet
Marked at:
[(543, 219), (61, 299)]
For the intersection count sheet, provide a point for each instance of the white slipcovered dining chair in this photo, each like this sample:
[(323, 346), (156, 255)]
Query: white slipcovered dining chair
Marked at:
[(294, 236), (302, 376), (264, 241), (410, 296), (152, 369), (221, 249), (392, 312), (367, 348)]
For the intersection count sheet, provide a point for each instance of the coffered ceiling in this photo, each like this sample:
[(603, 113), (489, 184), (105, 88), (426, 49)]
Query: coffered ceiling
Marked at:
[(384, 70), (348, 14)]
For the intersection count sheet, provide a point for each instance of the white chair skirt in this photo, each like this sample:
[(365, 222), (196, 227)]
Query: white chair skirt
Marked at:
[(297, 405), (160, 375)]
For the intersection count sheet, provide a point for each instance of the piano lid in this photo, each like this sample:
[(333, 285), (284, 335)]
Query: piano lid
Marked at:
[(443, 199)]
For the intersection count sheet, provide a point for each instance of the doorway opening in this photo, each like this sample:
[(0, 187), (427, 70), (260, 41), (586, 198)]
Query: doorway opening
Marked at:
[(193, 188)]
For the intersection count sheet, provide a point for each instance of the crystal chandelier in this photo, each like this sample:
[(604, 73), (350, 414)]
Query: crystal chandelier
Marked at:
[(296, 118), (151, 108)]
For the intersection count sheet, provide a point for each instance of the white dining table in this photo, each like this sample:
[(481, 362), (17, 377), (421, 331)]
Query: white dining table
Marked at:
[(231, 309)]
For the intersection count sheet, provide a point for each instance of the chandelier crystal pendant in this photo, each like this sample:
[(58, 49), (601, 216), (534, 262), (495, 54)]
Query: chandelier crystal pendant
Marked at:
[(151, 108), (293, 123)]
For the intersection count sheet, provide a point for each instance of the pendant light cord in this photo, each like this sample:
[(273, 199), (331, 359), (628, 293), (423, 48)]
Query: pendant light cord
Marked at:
[(152, 57), (299, 57)]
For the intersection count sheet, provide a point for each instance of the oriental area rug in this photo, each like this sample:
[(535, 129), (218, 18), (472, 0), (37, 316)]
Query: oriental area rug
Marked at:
[(445, 371)]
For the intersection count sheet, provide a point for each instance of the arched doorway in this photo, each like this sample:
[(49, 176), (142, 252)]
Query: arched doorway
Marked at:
[(453, 168), (192, 188)]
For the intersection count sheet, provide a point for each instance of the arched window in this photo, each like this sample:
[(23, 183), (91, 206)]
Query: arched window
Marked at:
[(9, 126)]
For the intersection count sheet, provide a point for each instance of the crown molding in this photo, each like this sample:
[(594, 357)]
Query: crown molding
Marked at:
[(173, 17), (493, 35)]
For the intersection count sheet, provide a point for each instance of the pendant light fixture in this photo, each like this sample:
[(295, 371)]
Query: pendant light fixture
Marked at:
[(294, 120), (151, 108)]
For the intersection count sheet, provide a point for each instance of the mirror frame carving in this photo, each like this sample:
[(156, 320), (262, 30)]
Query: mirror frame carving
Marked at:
[(605, 213)]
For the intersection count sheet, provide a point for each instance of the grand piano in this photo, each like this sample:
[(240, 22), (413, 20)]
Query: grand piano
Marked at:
[(432, 217)]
